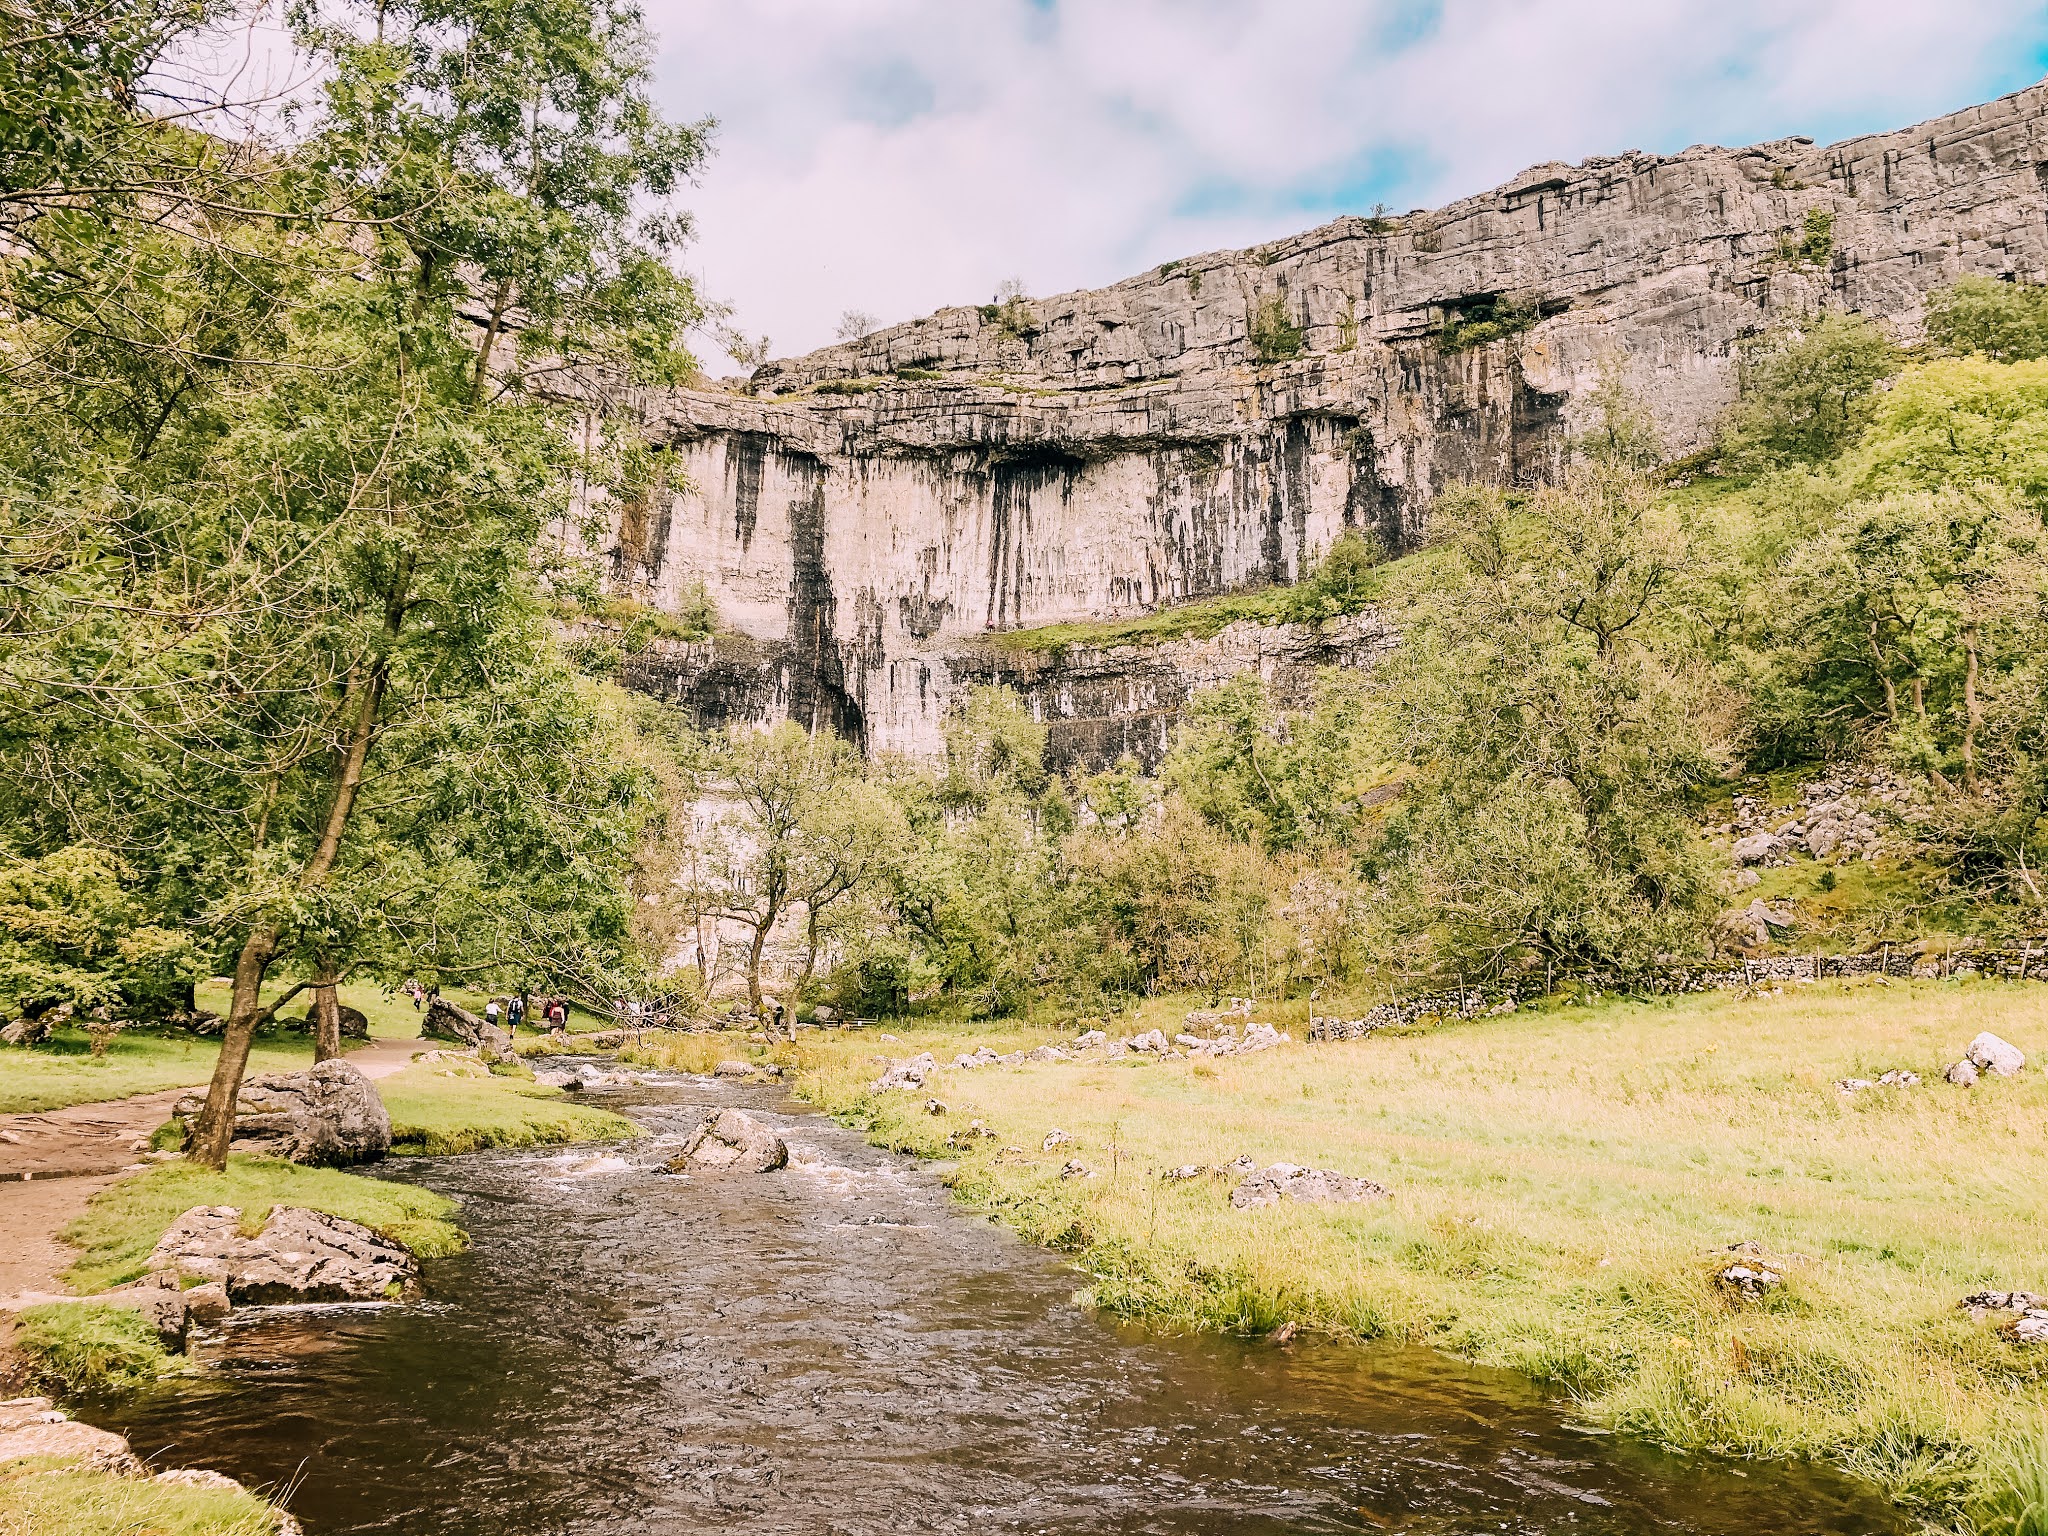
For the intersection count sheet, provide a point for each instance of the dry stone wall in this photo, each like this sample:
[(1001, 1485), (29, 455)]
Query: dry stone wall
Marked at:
[(867, 515)]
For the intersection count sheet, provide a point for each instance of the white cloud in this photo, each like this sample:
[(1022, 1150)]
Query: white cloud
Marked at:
[(897, 155)]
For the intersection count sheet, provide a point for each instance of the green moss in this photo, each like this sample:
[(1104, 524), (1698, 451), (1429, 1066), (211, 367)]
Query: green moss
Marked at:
[(918, 375), (124, 1221), (849, 386), (1203, 619), (77, 1347)]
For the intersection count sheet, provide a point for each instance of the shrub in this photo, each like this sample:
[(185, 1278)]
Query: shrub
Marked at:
[(1813, 244), (1478, 321), (1274, 336), (1808, 393)]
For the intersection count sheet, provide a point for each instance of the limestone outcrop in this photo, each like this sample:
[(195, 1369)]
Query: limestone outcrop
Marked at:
[(300, 1255), (329, 1114), (865, 518)]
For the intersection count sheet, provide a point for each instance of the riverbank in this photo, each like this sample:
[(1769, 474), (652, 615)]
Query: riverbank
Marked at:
[(1566, 1185)]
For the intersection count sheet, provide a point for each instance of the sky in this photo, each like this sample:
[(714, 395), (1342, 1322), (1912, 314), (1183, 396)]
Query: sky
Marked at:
[(896, 156)]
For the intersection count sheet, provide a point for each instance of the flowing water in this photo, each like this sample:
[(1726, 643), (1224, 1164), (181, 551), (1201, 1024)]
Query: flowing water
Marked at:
[(833, 1349)]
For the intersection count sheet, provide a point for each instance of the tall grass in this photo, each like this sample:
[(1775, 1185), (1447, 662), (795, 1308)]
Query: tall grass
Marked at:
[(89, 1347)]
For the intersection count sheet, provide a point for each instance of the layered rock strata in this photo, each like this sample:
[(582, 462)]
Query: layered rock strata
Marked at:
[(863, 518)]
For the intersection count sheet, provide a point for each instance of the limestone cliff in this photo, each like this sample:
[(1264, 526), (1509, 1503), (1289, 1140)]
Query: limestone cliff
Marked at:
[(866, 516)]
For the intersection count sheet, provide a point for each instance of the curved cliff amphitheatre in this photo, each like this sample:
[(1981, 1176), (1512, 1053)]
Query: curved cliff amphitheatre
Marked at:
[(864, 518)]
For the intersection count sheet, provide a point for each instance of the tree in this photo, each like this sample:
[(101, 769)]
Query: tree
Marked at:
[(1959, 422), (774, 783), (1807, 393), (855, 324), (1552, 752), (2004, 322)]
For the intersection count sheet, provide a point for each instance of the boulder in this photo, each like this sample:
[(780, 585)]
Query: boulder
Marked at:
[(329, 1114), (1756, 848), (445, 1021), (1183, 1173), (1076, 1169), (907, 1074), (982, 1057), (1990, 1054), (1982, 1304), (1751, 1282), (1285, 1181), (934, 1107), (734, 1069), (355, 1025), (732, 1139), (32, 1428), (1153, 1040), (1963, 1074), (300, 1255), (162, 1303), (208, 1303)]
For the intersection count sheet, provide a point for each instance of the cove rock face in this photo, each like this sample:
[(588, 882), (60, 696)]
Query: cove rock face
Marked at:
[(870, 519)]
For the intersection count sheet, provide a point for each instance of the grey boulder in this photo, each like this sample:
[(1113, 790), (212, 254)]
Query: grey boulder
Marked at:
[(1285, 1181), (909, 1073), (732, 1139), (1990, 1054), (1963, 1074), (300, 1255), (328, 1114)]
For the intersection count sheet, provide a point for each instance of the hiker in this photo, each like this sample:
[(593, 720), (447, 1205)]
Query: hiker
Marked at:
[(412, 990), (491, 1013), (558, 1017), (515, 1013)]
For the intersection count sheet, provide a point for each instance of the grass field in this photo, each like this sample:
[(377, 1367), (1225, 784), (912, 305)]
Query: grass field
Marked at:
[(64, 1071), (1566, 1184), (436, 1115)]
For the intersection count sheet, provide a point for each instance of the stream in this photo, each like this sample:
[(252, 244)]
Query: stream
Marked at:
[(836, 1350)]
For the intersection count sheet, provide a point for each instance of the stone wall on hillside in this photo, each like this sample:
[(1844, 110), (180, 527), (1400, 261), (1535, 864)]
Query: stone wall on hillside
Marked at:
[(863, 516)]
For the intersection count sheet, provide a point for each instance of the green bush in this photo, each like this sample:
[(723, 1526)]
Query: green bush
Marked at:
[(81, 1346), (1808, 393), (2006, 322), (1479, 321), (1274, 336)]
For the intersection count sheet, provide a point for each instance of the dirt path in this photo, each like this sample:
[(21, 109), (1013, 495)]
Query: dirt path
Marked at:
[(81, 1138), (54, 1161)]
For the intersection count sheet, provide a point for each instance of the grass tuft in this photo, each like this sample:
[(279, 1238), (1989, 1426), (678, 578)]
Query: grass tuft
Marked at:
[(48, 1498), (433, 1115), (76, 1347)]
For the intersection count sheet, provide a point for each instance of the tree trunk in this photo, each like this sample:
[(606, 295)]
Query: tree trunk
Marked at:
[(810, 948), (1973, 709), (326, 1011), (216, 1125)]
